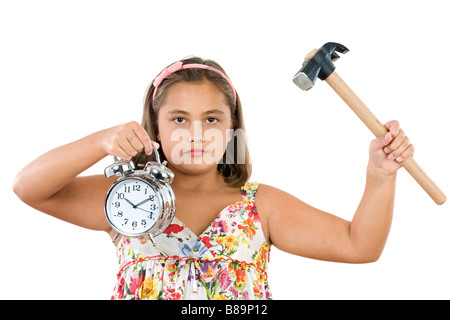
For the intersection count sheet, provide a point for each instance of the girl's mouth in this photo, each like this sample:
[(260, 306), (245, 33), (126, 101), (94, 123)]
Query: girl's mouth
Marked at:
[(196, 152)]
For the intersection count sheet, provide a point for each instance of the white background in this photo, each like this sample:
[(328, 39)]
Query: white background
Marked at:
[(70, 68)]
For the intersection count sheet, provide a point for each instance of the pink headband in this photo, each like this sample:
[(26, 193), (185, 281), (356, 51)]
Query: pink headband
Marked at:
[(177, 66)]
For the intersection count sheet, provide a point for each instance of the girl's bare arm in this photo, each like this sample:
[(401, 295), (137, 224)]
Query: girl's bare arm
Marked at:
[(51, 184), (296, 227)]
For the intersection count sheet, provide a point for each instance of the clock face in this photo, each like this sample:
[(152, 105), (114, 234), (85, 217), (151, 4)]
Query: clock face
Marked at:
[(132, 207)]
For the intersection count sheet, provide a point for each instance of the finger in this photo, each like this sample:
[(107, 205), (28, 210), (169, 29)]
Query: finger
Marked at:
[(409, 152), (381, 142), (127, 148), (121, 153), (400, 149), (394, 127), (396, 142), (144, 139), (135, 142)]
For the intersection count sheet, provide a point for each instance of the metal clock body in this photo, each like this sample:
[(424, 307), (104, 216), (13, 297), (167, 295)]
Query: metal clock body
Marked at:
[(141, 202)]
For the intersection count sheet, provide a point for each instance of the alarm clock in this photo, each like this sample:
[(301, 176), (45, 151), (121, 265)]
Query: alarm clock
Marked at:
[(141, 202)]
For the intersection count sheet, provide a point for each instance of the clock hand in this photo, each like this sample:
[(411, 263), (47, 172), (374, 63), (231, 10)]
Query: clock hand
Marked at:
[(151, 213), (143, 210), (142, 202), (134, 206)]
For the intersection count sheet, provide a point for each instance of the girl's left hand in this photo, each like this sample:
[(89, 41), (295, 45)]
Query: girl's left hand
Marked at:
[(386, 153)]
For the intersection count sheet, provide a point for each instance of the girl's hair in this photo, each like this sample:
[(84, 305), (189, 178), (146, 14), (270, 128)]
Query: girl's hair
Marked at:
[(235, 166)]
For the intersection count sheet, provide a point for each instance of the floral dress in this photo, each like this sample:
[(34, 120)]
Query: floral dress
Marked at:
[(227, 261)]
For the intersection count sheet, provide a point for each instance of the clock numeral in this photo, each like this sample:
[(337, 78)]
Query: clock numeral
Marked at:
[(143, 222), (150, 216), (120, 196), (117, 204), (136, 187), (126, 189), (134, 224), (120, 214), (126, 220), (153, 206)]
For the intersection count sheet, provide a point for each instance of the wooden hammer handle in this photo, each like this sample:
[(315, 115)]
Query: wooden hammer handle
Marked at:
[(379, 130)]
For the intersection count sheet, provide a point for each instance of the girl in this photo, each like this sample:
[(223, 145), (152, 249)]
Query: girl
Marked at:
[(218, 244)]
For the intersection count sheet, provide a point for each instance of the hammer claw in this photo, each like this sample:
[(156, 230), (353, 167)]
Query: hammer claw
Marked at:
[(334, 56), (334, 46)]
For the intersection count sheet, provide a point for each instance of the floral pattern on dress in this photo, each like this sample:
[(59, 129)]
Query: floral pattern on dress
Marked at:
[(227, 261)]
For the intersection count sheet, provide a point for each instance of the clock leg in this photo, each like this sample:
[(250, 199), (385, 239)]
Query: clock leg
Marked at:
[(115, 237), (151, 239)]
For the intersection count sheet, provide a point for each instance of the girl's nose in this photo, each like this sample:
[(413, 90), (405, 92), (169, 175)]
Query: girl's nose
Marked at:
[(197, 132)]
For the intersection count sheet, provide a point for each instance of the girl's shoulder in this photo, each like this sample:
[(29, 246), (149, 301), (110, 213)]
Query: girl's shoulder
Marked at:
[(252, 190), (264, 190), (269, 197), (267, 200)]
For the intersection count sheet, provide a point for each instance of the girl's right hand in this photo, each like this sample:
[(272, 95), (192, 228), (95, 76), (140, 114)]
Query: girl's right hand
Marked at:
[(65, 195), (127, 140)]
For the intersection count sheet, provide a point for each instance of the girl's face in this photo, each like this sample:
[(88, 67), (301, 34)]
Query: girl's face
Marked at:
[(194, 126)]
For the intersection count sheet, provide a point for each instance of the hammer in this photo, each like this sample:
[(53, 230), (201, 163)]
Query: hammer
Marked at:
[(319, 63)]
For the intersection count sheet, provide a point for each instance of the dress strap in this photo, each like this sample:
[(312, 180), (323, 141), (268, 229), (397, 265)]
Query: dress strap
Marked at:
[(248, 191)]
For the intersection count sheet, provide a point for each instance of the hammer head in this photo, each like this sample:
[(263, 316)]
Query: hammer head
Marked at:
[(318, 63)]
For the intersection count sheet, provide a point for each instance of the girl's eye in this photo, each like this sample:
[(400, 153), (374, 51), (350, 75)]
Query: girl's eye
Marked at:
[(211, 120), (179, 120)]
